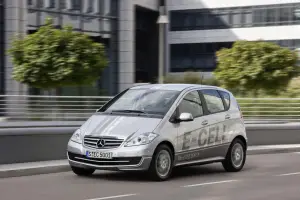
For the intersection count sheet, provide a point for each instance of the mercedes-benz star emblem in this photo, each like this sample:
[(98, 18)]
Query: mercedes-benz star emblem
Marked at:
[(101, 143)]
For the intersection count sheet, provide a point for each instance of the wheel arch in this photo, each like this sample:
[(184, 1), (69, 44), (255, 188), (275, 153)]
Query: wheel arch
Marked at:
[(169, 144), (243, 139)]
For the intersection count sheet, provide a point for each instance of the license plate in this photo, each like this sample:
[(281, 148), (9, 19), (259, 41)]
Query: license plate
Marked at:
[(95, 154)]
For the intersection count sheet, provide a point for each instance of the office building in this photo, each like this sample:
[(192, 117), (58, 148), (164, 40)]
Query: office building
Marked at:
[(129, 30), (199, 28)]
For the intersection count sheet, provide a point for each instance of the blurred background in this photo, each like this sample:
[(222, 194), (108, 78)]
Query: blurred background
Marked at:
[(248, 47)]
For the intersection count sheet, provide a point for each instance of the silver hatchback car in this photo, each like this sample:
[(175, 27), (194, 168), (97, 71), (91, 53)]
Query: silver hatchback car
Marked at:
[(157, 127)]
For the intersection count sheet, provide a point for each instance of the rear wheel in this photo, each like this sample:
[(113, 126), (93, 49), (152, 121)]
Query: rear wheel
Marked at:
[(162, 163), (236, 156), (82, 171)]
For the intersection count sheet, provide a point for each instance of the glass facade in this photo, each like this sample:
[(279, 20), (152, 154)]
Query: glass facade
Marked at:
[(97, 18), (201, 56), (90, 16), (235, 17)]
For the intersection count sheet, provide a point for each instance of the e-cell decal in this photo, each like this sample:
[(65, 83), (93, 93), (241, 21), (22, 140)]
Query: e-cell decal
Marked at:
[(206, 136)]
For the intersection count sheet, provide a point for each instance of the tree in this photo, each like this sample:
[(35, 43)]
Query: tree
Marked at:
[(293, 89), (256, 65), (52, 58), (190, 77)]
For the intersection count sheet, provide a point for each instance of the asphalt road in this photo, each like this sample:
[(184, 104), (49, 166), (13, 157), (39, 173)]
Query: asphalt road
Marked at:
[(271, 176)]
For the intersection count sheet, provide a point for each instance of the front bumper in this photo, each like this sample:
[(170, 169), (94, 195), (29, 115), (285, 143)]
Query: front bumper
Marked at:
[(124, 158)]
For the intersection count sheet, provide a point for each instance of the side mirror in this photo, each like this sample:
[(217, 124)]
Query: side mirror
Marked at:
[(186, 117)]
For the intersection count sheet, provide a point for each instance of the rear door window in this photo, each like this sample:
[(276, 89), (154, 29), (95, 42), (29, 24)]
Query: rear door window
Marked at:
[(213, 100), (226, 98)]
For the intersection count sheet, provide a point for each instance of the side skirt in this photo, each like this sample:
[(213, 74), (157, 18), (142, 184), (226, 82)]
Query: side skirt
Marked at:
[(201, 162), (205, 155)]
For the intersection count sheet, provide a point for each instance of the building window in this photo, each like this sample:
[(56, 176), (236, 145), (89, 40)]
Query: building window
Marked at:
[(202, 56), (90, 7), (236, 19), (76, 4), (204, 19), (52, 4), (62, 4)]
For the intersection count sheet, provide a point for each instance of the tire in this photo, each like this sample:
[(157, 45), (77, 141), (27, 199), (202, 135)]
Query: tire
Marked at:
[(161, 152), (235, 164), (82, 171)]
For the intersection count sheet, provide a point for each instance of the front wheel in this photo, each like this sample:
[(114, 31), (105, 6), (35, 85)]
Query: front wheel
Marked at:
[(236, 156), (82, 171), (162, 163)]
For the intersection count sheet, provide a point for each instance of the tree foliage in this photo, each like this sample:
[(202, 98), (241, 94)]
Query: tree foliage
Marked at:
[(52, 58), (190, 77), (255, 65), (187, 77), (293, 89)]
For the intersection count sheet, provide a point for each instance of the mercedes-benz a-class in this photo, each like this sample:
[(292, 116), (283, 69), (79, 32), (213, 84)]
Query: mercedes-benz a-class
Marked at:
[(156, 127)]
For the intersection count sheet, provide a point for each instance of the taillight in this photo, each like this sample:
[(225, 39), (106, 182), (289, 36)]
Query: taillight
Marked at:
[(240, 111)]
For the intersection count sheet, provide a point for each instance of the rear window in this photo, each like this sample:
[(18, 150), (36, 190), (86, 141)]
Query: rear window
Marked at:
[(226, 98), (213, 101)]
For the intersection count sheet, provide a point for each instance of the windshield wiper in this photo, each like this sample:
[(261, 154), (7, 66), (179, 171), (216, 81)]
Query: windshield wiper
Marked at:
[(130, 111)]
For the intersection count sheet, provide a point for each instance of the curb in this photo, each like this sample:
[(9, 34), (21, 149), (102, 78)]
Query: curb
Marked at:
[(48, 167), (273, 149), (34, 168)]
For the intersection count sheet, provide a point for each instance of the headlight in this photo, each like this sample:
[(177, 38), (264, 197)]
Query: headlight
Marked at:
[(142, 139), (76, 137)]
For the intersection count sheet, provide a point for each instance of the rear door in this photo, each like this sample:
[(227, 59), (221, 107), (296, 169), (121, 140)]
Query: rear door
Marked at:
[(215, 138), (234, 123)]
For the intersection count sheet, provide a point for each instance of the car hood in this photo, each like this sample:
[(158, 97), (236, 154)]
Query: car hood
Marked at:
[(118, 126)]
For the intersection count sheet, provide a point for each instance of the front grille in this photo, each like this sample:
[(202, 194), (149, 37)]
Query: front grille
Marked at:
[(102, 142), (103, 162)]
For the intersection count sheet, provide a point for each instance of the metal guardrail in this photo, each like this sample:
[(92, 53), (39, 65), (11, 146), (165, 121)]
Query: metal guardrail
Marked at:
[(54, 108), (79, 108), (270, 109)]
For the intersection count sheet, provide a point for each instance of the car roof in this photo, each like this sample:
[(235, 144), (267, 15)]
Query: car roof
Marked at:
[(173, 86)]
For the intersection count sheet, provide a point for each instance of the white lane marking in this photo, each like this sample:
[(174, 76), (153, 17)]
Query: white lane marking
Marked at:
[(289, 174), (297, 152), (114, 197), (209, 183), (280, 146)]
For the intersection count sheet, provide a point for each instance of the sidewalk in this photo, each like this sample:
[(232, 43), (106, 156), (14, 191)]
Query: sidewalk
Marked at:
[(55, 166), (33, 168)]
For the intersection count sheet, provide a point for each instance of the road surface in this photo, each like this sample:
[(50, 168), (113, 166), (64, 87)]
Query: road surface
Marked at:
[(271, 176)]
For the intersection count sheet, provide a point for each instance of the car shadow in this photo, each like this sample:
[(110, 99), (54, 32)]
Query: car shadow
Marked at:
[(178, 173), (204, 170), (121, 176)]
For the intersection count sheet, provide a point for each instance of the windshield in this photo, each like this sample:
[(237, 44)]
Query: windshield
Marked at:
[(146, 101)]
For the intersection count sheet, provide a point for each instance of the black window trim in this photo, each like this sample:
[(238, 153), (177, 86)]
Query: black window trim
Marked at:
[(226, 107), (211, 113)]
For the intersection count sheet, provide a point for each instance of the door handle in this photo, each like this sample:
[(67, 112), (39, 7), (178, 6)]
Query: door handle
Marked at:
[(227, 116), (205, 122)]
